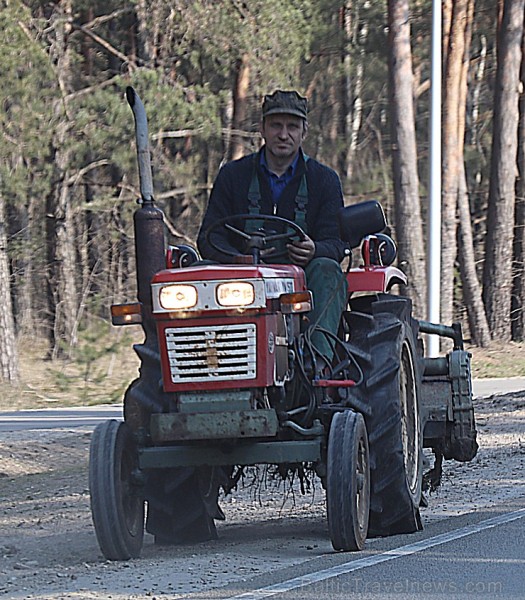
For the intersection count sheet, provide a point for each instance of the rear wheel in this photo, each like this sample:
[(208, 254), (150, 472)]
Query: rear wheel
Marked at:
[(182, 501), (117, 503), (183, 504), (348, 481), (386, 339)]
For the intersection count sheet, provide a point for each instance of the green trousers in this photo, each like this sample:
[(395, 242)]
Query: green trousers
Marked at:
[(326, 281)]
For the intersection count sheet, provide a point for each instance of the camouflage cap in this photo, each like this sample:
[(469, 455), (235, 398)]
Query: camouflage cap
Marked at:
[(287, 103)]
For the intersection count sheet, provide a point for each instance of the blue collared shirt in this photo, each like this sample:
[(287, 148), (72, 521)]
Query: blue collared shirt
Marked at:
[(278, 183)]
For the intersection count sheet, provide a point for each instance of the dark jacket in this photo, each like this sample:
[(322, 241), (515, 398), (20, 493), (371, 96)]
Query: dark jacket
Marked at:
[(229, 197)]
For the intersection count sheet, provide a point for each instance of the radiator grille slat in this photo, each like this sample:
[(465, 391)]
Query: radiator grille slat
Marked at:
[(200, 354)]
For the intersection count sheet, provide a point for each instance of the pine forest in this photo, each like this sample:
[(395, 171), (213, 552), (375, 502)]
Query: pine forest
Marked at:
[(68, 174)]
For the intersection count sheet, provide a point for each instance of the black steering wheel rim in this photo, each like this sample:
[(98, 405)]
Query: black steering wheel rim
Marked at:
[(296, 233)]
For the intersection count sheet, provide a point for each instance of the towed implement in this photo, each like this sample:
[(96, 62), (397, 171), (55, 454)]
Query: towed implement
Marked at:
[(230, 377)]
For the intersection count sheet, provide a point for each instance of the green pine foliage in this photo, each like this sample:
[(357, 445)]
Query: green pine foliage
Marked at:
[(25, 95)]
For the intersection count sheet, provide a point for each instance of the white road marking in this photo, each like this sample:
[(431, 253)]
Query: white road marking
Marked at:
[(370, 561), (52, 418)]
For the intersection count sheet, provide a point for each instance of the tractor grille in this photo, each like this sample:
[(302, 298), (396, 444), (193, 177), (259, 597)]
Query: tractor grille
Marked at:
[(218, 354)]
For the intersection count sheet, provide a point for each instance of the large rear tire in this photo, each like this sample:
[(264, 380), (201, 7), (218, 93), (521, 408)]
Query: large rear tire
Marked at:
[(117, 503), (386, 338), (348, 481), (182, 501), (182, 506)]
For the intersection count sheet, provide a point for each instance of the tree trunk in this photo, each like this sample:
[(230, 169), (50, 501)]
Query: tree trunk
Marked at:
[(28, 292), (240, 102), (8, 352), (447, 26), (478, 325), (334, 128), (518, 280), (409, 230), (60, 236), (477, 319), (347, 93), (61, 259), (453, 137), (475, 124), (497, 273), (146, 47), (353, 88)]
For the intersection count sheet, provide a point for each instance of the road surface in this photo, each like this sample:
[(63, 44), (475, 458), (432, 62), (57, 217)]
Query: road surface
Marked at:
[(56, 418), (479, 555)]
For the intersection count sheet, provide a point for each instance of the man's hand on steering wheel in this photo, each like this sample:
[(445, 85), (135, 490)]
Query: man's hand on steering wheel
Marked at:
[(301, 252)]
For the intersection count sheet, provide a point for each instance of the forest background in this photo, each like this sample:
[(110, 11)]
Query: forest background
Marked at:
[(68, 180)]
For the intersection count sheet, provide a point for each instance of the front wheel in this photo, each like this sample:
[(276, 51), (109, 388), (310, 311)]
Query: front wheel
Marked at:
[(117, 503), (348, 481)]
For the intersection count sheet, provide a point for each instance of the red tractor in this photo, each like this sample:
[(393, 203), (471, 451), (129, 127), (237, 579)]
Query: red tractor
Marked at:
[(229, 378)]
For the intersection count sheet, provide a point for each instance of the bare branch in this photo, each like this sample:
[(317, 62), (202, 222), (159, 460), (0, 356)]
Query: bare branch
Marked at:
[(182, 191), (74, 179), (175, 232), (240, 9), (181, 133), (423, 87), (106, 45), (135, 193), (91, 88), (97, 21)]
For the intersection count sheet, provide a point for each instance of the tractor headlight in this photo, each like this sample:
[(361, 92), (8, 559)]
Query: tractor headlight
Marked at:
[(177, 297), (235, 293)]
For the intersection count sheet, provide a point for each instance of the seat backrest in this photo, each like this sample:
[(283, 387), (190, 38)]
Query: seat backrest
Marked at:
[(359, 220)]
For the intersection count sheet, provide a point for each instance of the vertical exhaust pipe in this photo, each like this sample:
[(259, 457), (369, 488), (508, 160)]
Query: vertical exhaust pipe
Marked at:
[(148, 220), (146, 395)]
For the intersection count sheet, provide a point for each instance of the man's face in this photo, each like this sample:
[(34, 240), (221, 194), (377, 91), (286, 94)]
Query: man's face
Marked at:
[(283, 134)]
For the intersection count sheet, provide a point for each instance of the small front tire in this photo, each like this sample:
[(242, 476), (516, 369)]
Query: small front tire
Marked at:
[(348, 481), (117, 502)]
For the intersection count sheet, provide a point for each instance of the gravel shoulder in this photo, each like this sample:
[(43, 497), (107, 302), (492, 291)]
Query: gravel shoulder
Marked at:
[(48, 548)]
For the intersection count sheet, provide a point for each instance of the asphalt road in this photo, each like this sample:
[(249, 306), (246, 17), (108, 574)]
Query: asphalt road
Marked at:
[(55, 418), (478, 555)]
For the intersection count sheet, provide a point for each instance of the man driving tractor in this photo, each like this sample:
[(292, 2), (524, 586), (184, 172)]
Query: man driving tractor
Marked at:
[(282, 180), (230, 377)]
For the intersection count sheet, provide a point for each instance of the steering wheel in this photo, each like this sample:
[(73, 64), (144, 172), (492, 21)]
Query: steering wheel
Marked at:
[(258, 240)]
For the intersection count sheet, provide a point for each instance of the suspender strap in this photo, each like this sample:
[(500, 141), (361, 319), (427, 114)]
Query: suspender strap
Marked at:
[(301, 200), (254, 200)]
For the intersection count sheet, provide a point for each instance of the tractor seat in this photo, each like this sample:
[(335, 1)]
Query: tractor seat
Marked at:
[(359, 220)]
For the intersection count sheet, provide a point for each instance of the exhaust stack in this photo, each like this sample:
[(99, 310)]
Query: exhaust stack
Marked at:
[(148, 220), (145, 395)]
